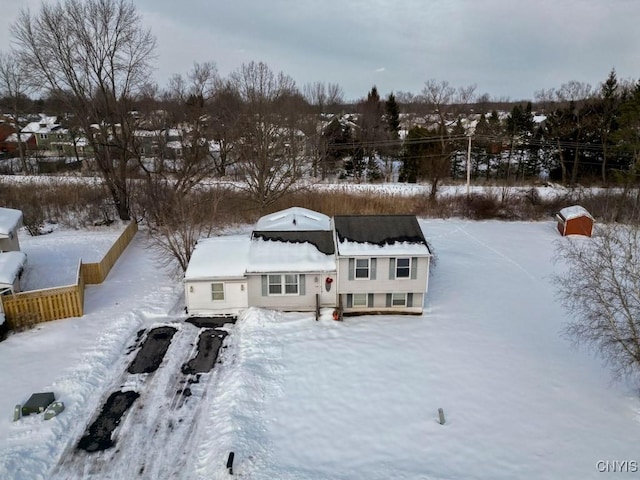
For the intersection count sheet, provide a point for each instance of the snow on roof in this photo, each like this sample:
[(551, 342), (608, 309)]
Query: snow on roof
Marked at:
[(294, 218), (349, 248), (10, 219), (45, 125), (273, 256), (321, 239), (24, 137), (11, 263), (574, 211), (222, 257)]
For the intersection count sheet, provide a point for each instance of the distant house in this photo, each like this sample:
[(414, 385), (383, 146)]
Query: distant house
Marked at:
[(9, 140), (10, 222), (575, 220), (300, 260)]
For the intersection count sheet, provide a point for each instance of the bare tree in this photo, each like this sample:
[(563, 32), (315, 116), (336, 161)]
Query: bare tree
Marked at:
[(177, 221), (184, 156), (15, 90), (98, 54), (271, 144), (601, 291), (224, 117), (446, 104)]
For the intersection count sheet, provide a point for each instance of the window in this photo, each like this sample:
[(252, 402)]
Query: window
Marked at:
[(43, 136), (275, 285), (360, 300), (283, 284), (362, 268), (403, 267), (399, 300), (217, 291), (291, 284)]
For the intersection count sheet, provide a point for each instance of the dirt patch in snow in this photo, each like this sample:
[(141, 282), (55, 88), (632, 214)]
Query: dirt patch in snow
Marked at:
[(209, 344), (98, 435), (153, 349)]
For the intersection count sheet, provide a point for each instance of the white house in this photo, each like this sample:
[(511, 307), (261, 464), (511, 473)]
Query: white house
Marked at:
[(301, 260), (216, 280), (383, 263)]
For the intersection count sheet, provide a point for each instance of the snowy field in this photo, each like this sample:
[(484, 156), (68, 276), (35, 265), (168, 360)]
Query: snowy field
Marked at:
[(300, 399)]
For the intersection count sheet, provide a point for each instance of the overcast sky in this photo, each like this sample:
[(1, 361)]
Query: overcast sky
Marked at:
[(508, 48)]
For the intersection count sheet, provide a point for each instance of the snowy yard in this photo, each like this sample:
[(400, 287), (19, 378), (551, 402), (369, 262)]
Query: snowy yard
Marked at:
[(299, 399), (52, 259)]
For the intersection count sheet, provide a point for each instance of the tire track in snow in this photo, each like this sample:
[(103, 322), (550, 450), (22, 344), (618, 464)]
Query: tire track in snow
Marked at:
[(493, 250)]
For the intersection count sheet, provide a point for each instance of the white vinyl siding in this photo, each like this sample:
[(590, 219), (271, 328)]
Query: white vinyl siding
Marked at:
[(217, 292)]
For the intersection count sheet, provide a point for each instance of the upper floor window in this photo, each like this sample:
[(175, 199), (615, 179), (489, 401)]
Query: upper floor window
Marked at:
[(403, 267), (362, 268), (43, 136)]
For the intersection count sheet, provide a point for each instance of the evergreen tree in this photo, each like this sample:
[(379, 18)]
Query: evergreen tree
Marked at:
[(391, 151), (372, 131), (608, 106)]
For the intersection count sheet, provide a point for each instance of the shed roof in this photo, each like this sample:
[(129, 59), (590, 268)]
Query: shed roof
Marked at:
[(10, 219), (574, 211), (224, 257)]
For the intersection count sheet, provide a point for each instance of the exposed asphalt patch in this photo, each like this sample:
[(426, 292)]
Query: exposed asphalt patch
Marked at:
[(150, 356), (209, 344), (210, 322), (98, 435)]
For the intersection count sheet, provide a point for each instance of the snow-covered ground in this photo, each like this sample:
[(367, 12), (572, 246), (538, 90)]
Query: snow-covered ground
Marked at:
[(52, 259), (300, 399)]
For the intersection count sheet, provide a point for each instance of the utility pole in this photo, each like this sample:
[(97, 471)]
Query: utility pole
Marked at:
[(469, 166)]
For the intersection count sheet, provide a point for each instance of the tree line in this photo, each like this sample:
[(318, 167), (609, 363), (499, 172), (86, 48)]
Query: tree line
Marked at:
[(92, 60)]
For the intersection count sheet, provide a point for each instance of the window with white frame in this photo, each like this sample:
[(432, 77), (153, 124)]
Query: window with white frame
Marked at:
[(362, 268), (217, 291), (403, 267), (288, 284), (43, 136), (360, 300), (399, 300)]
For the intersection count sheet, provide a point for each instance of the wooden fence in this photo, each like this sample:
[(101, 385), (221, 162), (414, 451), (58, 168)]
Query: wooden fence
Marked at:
[(23, 310)]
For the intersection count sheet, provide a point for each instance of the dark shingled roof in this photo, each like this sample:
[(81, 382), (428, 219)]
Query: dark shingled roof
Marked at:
[(379, 229), (321, 239)]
